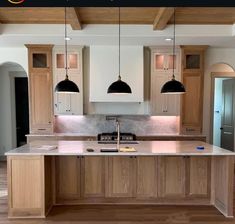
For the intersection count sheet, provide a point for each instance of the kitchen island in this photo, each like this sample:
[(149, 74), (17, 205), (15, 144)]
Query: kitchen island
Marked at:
[(159, 172)]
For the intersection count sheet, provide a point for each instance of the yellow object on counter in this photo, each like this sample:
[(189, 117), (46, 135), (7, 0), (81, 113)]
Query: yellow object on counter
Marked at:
[(127, 149)]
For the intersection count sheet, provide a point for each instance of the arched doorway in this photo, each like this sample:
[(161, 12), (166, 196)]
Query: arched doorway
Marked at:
[(223, 101), (14, 107)]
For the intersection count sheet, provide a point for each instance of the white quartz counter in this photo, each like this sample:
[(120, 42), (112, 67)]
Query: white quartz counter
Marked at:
[(144, 148)]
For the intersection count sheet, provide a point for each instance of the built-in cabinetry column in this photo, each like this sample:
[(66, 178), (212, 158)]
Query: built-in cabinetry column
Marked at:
[(161, 72), (70, 103), (193, 79), (40, 88)]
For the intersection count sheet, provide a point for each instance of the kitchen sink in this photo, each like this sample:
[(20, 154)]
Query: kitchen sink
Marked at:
[(115, 142)]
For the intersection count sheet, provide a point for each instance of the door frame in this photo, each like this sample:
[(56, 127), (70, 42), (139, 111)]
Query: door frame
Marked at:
[(13, 75), (213, 76)]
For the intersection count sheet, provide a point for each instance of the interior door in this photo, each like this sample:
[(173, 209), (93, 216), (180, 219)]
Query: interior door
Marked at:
[(227, 121)]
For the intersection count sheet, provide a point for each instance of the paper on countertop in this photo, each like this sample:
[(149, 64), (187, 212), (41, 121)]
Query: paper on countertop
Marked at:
[(47, 147), (127, 149)]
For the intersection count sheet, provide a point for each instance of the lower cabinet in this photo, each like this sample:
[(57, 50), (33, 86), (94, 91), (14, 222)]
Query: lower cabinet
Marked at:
[(146, 177), (93, 176), (141, 177), (68, 177), (171, 176), (198, 176), (121, 176), (29, 186)]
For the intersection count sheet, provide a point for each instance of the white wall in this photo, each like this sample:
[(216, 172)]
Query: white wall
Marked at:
[(215, 61), (15, 55), (7, 135)]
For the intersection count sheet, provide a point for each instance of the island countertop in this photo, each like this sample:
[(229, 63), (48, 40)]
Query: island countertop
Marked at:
[(143, 148)]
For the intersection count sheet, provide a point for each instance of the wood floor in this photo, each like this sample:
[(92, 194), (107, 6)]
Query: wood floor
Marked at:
[(116, 214)]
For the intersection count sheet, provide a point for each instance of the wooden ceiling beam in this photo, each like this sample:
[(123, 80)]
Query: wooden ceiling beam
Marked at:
[(162, 18), (74, 18)]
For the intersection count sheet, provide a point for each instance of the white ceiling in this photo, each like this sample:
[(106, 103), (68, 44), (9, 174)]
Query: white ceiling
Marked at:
[(16, 35)]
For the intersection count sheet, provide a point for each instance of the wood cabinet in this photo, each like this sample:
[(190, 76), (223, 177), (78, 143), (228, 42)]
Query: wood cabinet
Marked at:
[(68, 178), (171, 176), (198, 176), (193, 79), (131, 178), (40, 88), (184, 176), (146, 177), (161, 72), (93, 176), (68, 104), (121, 176), (163, 60), (28, 195)]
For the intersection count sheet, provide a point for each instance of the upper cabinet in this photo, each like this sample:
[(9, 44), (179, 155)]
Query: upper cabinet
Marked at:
[(40, 88), (163, 60), (193, 79), (104, 71), (161, 72), (70, 103)]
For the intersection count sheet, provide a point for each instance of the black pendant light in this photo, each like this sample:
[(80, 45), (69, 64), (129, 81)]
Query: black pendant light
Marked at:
[(66, 86), (173, 86), (119, 87)]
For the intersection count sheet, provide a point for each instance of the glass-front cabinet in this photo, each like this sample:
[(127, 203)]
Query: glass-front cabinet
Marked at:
[(68, 103), (163, 62)]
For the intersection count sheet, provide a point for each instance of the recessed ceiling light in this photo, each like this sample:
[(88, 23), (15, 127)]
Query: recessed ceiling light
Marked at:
[(168, 39), (68, 38)]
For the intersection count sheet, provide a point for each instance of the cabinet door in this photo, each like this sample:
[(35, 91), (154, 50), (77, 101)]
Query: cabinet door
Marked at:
[(191, 117), (160, 62), (73, 62), (67, 169), (93, 176), (39, 59), (163, 104), (26, 186), (121, 176), (69, 103), (41, 102), (169, 62), (171, 178), (198, 176), (146, 168)]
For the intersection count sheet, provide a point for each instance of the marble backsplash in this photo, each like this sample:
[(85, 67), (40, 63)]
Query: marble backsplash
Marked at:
[(91, 125)]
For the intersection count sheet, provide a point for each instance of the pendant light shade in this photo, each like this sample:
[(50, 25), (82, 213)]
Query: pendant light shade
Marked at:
[(119, 87), (173, 86), (66, 86)]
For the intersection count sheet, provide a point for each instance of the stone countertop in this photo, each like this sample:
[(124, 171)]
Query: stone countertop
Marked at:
[(144, 148), (79, 135)]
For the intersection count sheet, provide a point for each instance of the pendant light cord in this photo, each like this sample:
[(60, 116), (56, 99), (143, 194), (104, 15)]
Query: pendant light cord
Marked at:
[(66, 43), (119, 43), (173, 76)]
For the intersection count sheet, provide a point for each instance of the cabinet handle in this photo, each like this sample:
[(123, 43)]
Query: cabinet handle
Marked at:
[(49, 122), (41, 129)]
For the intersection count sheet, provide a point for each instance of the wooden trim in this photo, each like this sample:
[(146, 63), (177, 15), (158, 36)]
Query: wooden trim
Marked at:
[(162, 18), (213, 76), (74, 18), (223, 184)]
